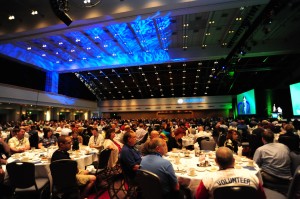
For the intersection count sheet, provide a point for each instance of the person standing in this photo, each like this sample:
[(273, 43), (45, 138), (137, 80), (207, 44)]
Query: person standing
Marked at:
[(244, 106)]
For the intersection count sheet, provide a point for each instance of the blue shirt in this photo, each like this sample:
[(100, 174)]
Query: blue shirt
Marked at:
[(163, 168), (128, 158)]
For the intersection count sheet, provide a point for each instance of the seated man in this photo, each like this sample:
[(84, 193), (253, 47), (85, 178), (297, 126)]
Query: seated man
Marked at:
[(273, 159), (290, 139), (154, 162), (18, 143), (64, 144), (130, 158), (227, 175)]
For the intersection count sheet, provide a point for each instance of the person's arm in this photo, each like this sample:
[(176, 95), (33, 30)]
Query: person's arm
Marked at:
[(80, 139), (2, 174), (27, 144), (40, 145), (5, 145), (257, 157)]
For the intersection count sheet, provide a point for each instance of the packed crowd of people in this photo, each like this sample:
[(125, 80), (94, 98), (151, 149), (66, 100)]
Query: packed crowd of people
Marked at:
[(141, 144)]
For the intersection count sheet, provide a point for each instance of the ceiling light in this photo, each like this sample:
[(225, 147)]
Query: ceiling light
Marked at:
[(34, 12), (11, 17)]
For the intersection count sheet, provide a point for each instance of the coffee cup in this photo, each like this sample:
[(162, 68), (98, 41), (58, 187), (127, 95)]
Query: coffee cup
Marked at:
[(186, 154), (192, 171), (25, 159), (177, 160), (251, 163)]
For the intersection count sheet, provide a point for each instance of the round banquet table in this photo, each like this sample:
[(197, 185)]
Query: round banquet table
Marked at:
[(41, 158), (185, 164)]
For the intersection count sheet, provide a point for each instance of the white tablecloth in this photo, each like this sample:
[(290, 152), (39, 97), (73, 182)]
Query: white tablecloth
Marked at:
[(192, 182), (42, 166)]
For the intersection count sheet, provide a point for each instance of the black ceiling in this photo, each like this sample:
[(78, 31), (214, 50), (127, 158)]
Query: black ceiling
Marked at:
[(261, 52)]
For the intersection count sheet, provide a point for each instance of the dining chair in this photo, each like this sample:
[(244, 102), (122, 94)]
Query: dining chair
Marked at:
[(102, 169), (295, 160), (121, 187), (235, 192), (149, 184), (208, 145), (64, 179), (23, 180), (199, 139), (294, 188)]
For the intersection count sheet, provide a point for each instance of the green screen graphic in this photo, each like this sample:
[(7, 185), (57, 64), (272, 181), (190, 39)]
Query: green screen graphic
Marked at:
[(246, 104)]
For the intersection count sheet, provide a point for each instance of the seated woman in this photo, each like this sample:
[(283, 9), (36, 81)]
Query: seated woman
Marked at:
[(114, 145), (76, 140), (232, 140), (176, 141), (48, 139)]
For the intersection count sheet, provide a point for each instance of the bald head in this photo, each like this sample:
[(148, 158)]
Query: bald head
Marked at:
[(154, 134), (224, 158)]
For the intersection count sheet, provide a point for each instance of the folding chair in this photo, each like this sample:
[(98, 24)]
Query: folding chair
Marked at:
[(23, 180), (64, 179)]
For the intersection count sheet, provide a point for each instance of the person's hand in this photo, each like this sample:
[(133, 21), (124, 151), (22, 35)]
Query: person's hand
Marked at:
[(3, 161), (136, 167)]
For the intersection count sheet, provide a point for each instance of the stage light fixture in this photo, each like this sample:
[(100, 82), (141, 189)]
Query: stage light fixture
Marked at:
[(60, 9)]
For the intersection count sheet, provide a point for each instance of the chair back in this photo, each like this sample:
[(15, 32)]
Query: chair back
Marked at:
[(148, 182), (199, 139), (144, 139), (235, 192), (21, 174), (294, 188), (64, 175), (208, 145), (103, 159), (290, 141), (295, 160)]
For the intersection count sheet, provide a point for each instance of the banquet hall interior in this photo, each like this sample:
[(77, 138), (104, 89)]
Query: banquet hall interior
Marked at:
[(149, 60), (127, 50)]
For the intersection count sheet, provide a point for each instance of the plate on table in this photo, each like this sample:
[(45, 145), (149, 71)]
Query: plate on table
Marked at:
[(187, 157), (212, 169), (35, 160), (201, 169), (192, 175)]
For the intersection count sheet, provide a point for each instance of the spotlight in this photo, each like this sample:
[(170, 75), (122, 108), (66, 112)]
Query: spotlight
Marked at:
[(60, 9)]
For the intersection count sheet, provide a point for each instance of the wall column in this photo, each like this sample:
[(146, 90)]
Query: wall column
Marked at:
[(51, 82)]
